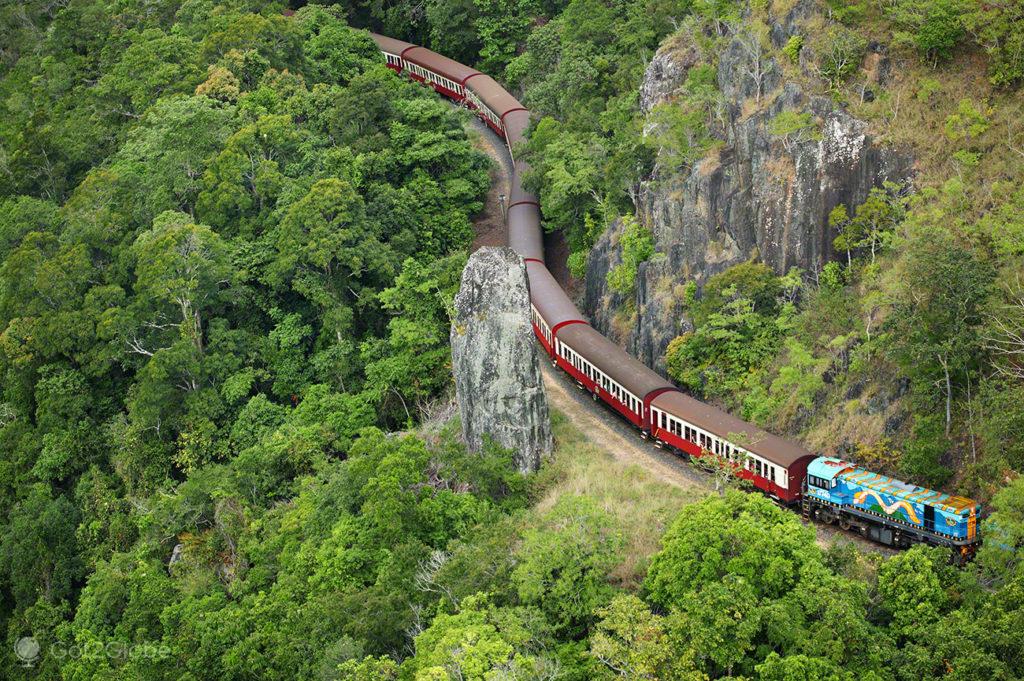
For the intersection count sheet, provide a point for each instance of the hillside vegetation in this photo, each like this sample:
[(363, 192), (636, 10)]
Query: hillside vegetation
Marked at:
[(228, 244)]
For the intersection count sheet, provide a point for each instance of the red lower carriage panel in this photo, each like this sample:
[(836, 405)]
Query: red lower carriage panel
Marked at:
[(772, 464), (609, 371)]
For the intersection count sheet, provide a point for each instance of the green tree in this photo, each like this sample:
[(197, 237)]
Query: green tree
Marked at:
[(934, 27), (912, 593), (564, 562), (182, 270), (637, 246), (1004, 531), (997, 28), (838, 51), (38, 551), (742, 535), (873, 223), (793, 127), (630, 640), (938, 308), (474, 644)]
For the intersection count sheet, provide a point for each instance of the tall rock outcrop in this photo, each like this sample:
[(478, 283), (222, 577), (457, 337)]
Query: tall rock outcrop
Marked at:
[(758, 194), (498, 381)]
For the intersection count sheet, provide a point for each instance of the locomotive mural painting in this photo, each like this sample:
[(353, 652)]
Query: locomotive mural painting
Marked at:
[(826, 489)]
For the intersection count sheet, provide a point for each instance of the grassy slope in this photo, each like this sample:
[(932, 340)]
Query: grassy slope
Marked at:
[(642, 504)]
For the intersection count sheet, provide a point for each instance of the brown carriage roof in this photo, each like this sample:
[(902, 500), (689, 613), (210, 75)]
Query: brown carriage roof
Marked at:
[(517, 193), (437, 63), (615, 362), (391, 45), (524, 233), (770, 447), (548, 297), (516, 123), (493, 95)]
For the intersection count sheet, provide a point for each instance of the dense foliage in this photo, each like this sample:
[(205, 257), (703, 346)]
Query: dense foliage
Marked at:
[(228, 240)]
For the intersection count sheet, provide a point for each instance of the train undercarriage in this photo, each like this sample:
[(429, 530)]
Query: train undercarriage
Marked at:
[(880, 529)]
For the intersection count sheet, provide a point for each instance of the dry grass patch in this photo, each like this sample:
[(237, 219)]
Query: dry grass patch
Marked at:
[(642, 505)]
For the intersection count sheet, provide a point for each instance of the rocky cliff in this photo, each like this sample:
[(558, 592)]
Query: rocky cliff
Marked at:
[(498, 381), (757, 195)]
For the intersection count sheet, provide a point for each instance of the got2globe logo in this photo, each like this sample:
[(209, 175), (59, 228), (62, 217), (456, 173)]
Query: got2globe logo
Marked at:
[(27, 650)]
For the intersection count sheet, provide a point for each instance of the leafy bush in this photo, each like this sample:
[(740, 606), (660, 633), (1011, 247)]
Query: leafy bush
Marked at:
[(793, 127), (999, 29), (564, 562), (933, 27), (838, 52), (792, 48), (637, 246)]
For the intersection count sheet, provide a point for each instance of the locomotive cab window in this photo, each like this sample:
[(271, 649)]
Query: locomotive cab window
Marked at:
[(815, 481)]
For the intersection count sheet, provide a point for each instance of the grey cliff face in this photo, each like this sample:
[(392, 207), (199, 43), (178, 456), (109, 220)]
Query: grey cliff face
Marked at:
[(758, 196), (498, 381)]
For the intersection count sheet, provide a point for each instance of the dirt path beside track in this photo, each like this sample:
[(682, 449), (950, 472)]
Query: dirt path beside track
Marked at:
[(614, 435), (489, 225)]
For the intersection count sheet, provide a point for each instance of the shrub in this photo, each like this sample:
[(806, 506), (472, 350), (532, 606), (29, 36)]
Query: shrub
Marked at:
[(838, 53), (637, 244), (792, 127), (793, 47)]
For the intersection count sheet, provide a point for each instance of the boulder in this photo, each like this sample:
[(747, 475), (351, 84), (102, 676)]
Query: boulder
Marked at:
[(498, 381)]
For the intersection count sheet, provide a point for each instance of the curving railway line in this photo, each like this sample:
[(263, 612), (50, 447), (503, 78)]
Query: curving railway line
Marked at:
[(826, 489)]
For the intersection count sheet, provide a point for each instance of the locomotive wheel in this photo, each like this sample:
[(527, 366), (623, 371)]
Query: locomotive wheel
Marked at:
[(844, 523)]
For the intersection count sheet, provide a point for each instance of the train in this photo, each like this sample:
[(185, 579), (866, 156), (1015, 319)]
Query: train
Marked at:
[(825, 489)]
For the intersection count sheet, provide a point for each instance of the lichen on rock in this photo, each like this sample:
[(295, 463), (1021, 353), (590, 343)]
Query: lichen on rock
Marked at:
[(498, 381)]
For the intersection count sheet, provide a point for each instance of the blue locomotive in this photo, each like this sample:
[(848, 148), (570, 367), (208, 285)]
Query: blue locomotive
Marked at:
[(887, 510)]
